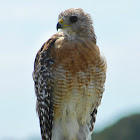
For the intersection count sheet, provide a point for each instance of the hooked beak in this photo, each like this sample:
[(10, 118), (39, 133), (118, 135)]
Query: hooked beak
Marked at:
[(59, 26)]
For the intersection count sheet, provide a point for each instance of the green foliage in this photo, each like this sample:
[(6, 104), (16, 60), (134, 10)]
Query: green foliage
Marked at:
[(126, 129)]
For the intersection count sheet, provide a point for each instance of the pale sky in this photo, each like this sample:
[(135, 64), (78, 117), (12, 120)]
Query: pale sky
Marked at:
[(26, 25)]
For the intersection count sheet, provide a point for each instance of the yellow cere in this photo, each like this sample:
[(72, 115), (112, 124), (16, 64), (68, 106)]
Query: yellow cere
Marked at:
[(62, 22)]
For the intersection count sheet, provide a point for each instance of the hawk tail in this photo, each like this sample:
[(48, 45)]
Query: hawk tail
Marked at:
[(93, 119)]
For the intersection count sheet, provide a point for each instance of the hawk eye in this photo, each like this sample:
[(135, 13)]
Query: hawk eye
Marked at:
[(73, 19)]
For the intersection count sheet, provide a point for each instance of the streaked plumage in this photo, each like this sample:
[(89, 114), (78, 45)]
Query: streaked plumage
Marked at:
[(69, 76)]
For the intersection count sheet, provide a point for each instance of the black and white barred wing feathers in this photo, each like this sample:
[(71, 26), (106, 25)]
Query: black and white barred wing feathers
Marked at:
[(42, 76)]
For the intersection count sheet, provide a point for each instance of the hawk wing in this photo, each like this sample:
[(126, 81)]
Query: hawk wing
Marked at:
[(42, 76), (100, 77)]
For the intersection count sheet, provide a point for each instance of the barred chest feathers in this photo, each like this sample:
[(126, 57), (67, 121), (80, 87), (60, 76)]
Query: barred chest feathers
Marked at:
[(74, 83)]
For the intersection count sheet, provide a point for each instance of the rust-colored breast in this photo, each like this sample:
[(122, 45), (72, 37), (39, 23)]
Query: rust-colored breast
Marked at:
[(76, 55), (74, 75)]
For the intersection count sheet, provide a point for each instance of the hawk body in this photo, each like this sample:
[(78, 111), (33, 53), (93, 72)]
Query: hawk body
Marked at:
[(69, 76)]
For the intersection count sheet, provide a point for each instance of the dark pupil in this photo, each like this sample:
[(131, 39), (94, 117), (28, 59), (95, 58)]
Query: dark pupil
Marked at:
[(73, 19)]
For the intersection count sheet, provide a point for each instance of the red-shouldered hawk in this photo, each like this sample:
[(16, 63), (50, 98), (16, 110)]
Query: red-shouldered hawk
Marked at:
[(69, 76)]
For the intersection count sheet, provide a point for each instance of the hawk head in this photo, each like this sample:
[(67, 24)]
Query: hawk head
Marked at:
[(75, 22)]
